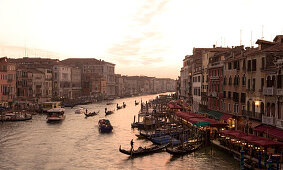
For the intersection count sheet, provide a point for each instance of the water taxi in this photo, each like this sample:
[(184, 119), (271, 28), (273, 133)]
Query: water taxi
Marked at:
[(50, 105), (56, 114), (105, 126)]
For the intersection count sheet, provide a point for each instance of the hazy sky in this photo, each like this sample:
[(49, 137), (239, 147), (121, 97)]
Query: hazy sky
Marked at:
[(142, 37)]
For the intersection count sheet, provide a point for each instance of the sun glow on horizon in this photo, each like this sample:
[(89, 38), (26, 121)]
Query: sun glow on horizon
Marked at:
[(140, 37)]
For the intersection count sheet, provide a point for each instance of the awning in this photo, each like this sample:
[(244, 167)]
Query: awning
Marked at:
[(233, 133), (212, 113), (205, 123), (270, 130), (266, 142), (226, 117)]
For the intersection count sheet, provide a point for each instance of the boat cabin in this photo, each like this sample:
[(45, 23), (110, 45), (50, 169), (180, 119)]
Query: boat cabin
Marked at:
[(50, 105)]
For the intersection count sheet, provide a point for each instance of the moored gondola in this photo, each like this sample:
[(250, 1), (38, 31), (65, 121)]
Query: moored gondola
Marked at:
[(182, 150), (143, 150), (91, 114)]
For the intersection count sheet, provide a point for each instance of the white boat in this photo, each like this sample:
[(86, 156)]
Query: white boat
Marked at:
[(55, 114), (80, 110)]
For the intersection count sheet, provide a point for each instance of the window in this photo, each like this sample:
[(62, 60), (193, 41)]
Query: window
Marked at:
[(229, 66), (229, 95), (244, 80), (243, 97), (253, 84), (249, 84), (249, 65), (262, 83), (254, 65), (224, 94), (224, 80), (229, 107), (262, 63), (244, 64)]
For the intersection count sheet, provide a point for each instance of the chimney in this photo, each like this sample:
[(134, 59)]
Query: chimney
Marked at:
[(213, 45)]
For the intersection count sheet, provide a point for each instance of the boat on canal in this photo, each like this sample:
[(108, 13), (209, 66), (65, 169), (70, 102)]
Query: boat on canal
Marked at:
[(55, 115), (15, 116), (91, 114), (109, 112), (124, 105), (182, 150), (143, 150), (105, 126), (118, 107), (80, 110), (50, 105)]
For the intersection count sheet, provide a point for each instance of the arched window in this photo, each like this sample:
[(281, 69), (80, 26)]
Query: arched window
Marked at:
[(235, 80), (230, 80), (244, 80), (262, 108), (224, 80), (268, 81), (253, 107), (273, 81), (248, 106), (273, 109), (268, 110)]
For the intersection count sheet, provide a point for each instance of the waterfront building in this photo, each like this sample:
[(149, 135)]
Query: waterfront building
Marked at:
[(185, 78), (119, 85), (131, 85), (76, 85), (38, 86), (271, 64), (62, 81), (90, 66), (24, 84), (196, 86), (7, 82), (215, 81)]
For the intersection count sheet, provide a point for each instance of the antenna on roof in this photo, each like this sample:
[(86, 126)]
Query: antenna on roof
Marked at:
[(262, 33), (240, 37), (251, 38)]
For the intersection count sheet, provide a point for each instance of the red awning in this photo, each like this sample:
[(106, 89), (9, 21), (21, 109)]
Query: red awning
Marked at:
[(272, 131), (233, 133), (226, 117), (250, 138), (266, 142)]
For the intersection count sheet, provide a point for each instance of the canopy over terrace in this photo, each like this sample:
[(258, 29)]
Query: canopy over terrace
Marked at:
[(252, 139), (272, 131), (199, 120), (173, 105)]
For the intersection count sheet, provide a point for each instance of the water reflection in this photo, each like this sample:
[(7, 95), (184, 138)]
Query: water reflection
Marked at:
[(75, 143)]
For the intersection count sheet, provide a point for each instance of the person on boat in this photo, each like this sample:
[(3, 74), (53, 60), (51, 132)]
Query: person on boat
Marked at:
[(86, 111), (132, 144)]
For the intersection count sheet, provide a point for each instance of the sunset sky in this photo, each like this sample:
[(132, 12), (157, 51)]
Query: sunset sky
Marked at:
[(142, 37)]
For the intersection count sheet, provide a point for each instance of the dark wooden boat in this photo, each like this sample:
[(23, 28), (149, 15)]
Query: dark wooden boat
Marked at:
[(124, 105), (118, 107), (105, 126), (91, 114), (143, 150), (108, 112), (180, 150), (136, 103)]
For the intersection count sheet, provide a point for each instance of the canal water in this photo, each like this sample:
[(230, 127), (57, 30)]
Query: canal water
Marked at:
[(76, 143)]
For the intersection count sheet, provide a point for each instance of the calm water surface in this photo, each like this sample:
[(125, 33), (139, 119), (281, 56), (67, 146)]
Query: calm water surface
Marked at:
[(76, 143)]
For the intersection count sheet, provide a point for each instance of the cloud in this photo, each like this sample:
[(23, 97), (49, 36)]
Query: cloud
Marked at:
[(143, 43), (149, 10)]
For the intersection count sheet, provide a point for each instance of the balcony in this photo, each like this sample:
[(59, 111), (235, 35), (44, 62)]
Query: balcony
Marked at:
[(279, 123), (268, 91), (268, 120), (249, 114), (279, 92), (213, 94)]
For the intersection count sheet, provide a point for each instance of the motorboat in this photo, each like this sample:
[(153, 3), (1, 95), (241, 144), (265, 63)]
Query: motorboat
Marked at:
[(55, 114), (80, 110), (105, 126)]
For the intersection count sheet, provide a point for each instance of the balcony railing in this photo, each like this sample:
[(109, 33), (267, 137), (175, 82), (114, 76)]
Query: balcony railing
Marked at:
[(279, 92), (268, 120), (279, 123), (252, 115), (268, 91)]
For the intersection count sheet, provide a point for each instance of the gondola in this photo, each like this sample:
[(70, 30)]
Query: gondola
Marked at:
[(180, 150), (91, 114), (108, 112), (136, 103), (124, 105), (143, 150)]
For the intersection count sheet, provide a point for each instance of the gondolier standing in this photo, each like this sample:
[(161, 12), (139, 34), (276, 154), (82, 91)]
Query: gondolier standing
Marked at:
[(132, 146)]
